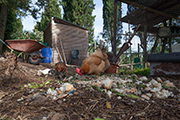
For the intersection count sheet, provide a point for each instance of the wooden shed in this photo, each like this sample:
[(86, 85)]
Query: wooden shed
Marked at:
[(63, 36)]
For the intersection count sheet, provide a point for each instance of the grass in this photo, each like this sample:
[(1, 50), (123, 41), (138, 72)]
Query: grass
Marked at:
[(143, 72)]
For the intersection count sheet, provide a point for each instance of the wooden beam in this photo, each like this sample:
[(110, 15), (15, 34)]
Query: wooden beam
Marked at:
[(149, 9), (114, 38)]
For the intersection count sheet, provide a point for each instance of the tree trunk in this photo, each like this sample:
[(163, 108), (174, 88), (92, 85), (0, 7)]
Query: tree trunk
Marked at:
[(164, 41), (154, 46), (164, 45), (3, 19)]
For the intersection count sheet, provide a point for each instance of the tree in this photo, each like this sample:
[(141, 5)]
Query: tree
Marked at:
[(108, 22), (51, 9), (14, 27), (22, 7), (80, 12)]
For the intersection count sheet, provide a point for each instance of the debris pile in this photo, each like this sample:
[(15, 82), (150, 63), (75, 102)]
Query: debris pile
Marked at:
[(64, 90), (142, 87)]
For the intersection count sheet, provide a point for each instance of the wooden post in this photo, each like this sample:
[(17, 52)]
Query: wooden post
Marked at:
[(138, 50), (94, 46), (145, 46), (170, 47), (101, 46), (114, 38), (131, 58)]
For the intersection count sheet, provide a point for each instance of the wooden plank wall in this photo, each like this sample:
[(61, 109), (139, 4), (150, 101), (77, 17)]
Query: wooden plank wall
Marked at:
[(72, 38)]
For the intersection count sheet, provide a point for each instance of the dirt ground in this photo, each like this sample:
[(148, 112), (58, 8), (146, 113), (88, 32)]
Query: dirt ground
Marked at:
[(86, 103)]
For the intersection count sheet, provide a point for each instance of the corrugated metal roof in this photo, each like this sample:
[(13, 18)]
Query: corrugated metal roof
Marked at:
[(152, 12)]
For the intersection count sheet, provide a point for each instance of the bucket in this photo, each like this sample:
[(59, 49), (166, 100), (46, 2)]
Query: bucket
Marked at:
[(112, 68), (47, 53)]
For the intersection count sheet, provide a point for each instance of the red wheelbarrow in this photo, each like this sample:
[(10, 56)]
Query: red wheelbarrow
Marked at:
[(27, 46)]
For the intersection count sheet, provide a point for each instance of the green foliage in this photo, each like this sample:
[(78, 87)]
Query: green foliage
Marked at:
[(14, 27), (51, 9), (98, 119), (141, 85), (97, 88), (143, 71), (80, 12), (119, 85), (108, 22), (132, 96)]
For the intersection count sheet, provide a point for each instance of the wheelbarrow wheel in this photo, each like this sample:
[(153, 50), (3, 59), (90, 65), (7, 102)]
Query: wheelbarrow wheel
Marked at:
[(35, 57)]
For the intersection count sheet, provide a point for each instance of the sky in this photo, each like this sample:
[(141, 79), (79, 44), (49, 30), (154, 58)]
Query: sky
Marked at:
[(29, 23)]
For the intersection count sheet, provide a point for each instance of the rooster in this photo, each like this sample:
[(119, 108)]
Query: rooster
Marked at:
[(96, 63)]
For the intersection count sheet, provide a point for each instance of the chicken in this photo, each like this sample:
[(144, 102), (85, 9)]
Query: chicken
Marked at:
[(60, 67), (96, 63)]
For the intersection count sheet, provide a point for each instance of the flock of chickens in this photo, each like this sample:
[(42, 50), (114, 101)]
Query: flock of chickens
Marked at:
[(96, 63)]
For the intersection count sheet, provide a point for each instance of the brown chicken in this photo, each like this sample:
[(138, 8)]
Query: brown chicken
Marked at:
[(60, 67), (96, 63)]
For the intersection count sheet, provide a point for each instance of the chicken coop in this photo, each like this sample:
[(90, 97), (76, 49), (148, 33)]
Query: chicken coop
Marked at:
[(64, 37)]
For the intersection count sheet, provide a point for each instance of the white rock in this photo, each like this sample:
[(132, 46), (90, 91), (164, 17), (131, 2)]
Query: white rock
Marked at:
[(39, 73), (31, 91), (129, 80), (154, 90), (162, 94), (2, 58), (169, 84), (165, 93), (49, 91), (54, 92), (153, 82), (159, 86), (159, 80), (167, 81), (145, 97), (148, 84), (122, 91), (143, 78), (156, 84), (147, 88), (18, 100), (71, 77), (107, 83), (138, 82), (67, 87), (109, 93), (119, 97), (45, 72), (149, 94)]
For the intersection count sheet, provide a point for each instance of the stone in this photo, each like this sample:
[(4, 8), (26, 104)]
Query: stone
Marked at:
[(159, 80), (66, 87), (170, 84), (143, 78), (38, 100), (145, 97), (107, 83)]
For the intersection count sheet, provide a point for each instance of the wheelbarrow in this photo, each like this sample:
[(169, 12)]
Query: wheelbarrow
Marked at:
[(29, 46)]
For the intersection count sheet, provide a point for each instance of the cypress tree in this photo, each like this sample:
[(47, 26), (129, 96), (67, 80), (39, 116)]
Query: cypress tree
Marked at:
[(51, 9), (80, 12), (108, 22)]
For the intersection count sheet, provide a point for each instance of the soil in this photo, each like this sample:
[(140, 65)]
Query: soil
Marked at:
[(84, 104)]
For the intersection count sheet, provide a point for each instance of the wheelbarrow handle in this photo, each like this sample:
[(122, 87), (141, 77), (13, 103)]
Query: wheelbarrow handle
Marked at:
[(6, 45)]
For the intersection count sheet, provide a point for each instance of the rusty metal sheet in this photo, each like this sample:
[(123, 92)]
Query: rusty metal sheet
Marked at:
[(26, 45)]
